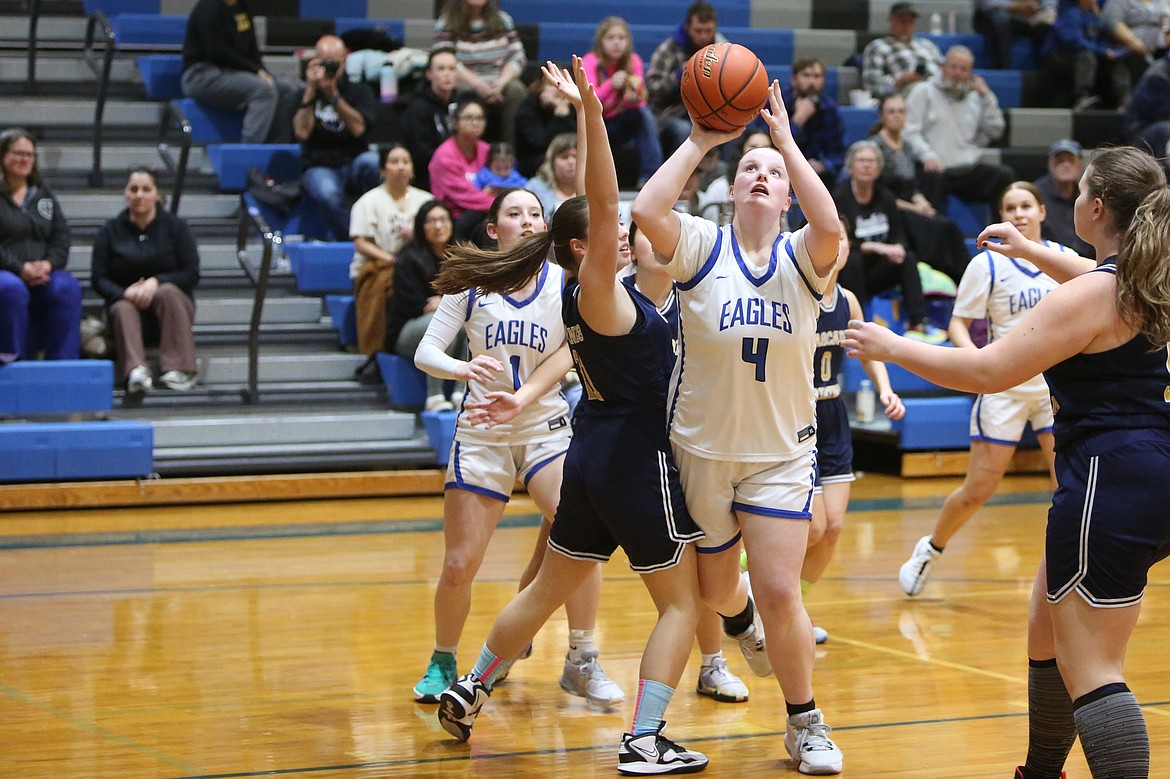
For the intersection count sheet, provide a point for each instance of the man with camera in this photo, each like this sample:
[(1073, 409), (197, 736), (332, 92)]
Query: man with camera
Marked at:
[(331, 125), (898, 61)]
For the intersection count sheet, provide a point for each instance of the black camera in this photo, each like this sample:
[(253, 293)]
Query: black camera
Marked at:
[(330, 67), (921, 70)]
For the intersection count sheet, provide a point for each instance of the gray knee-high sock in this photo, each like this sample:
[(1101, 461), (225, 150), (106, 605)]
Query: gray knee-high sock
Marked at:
[(1051, 729), (1113, 733)]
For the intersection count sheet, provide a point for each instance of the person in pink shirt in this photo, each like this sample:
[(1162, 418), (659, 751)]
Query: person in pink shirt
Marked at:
[(454, 166), (617, 73)]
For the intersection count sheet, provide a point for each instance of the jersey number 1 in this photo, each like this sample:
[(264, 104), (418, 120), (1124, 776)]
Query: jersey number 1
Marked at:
[(755, 352)]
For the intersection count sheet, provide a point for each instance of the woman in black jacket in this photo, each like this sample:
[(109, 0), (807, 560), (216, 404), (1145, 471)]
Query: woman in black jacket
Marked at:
[(414, 300), (146, 266), (40, 302)]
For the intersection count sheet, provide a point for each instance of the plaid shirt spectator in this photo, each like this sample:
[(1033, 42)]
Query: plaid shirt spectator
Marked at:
[(665, 71), (885, 59)]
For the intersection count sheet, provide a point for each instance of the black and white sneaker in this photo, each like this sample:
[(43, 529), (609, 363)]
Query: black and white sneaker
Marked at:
[(653, 753), (459, 705)]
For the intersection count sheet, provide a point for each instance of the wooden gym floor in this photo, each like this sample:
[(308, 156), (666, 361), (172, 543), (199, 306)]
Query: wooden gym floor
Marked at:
[(282, 639)]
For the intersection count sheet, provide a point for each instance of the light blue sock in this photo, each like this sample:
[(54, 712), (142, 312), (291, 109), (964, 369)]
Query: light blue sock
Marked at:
[(488, 667), (653, 698)]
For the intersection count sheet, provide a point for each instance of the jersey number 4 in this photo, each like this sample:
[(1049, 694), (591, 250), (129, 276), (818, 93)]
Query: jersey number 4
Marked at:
[(755, 352)]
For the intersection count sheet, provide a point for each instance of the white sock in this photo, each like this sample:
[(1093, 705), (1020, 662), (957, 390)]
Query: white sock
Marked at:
[(448, 649), (579, 641), (709, 660)]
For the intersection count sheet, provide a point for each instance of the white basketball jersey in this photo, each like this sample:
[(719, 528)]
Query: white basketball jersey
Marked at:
[(1003, 289), (521, 333), (742, 387)]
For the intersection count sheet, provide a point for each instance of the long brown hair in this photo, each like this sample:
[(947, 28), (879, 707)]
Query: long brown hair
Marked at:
[(560, 144), (459, 20), (1132, 187), (603, 28), (503, 272)]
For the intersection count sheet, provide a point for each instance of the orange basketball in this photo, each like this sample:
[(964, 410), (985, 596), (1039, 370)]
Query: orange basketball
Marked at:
[(724, 86)]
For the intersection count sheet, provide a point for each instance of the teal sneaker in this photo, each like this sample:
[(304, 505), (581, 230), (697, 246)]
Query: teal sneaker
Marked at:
[(441, 674)]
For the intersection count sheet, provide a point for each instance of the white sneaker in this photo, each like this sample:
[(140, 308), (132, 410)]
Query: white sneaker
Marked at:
[(438, 403), (654, 754), (459, 705), (915, 571), (820, 635), (177, 380), (584, 678), (751, 643), (721, 684), (139, 382), (808, 743)]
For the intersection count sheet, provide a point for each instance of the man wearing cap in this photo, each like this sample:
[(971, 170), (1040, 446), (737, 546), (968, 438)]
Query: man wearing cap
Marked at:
[(901, 59), (1059, 188), (950, 120)]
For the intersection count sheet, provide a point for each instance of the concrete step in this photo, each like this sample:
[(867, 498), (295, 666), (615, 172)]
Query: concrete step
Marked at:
[(100, 204), (284, 368), (58, 111), (231, 311), (54, 156), (268, 430), (213, 256), (49, 28), (59, 68)]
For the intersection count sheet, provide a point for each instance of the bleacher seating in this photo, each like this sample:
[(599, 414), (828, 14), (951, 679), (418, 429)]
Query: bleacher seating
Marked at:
[(343, 315), (231, 161), (559, 41), (395, 28), (60, 451), (856, 122), (56, 387), (732, 13), (321, 268), (440, 427), (161, 75), (935, 423), (406, 384)]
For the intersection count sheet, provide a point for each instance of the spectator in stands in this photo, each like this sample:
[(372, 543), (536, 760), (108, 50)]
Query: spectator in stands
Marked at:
[(814, 118), (949, 121), (455, 164), (934, 237), (1141, 28), (146, 266), (331, 124), (1077, 44), (500, 171), (556, 180), (1000, 21), (1147, 118), (543, 115), (898, 61), (222, 67), (878, 257), (902, 173), (38, 297), (1059, 188), (616, 70), (491, 58), (665, 72), (415, 299), (428, 118), (380, 223)]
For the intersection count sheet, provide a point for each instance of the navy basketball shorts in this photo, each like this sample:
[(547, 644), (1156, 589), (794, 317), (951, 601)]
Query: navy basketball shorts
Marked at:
[(834, 443), (1108, 523), (620, 488)]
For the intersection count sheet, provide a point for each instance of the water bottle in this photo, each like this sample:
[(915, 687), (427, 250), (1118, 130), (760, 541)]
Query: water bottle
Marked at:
[(936, 24), (866, 400), (389, 83)]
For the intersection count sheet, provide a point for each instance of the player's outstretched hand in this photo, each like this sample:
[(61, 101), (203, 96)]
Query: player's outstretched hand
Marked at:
[(563, 80), (1005, 239), (481, 368), (867, 341), (776, 116)]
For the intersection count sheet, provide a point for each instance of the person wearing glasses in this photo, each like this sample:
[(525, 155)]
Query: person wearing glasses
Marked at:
[(40, 301), (453, 167)]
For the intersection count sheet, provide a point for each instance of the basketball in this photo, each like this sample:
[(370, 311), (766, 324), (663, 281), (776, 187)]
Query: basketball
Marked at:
[(724, 86)]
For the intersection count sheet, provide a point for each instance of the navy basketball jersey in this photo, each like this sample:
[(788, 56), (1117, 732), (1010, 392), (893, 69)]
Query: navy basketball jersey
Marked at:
[(629, 373), (1127, 387), (829, 355)]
